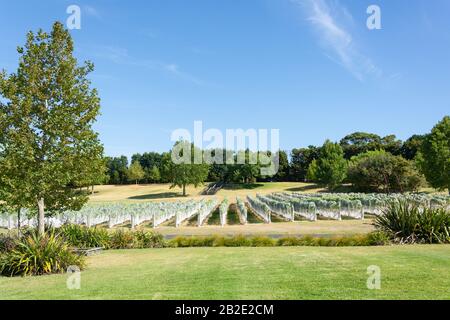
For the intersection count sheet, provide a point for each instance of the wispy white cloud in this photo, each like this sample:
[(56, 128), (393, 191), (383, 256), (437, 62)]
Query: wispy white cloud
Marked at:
[(91, 11), (150, 34), (121, 56), (175, 70), (112, 53), (330, 21)]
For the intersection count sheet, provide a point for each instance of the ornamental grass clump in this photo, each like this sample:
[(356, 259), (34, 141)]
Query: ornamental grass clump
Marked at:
[(84, 237), (36, 254), (407, 222)]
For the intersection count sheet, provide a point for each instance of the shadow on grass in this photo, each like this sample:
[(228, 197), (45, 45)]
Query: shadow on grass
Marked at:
[(340, 189), (304, 188), (162, 195), (247, 186)]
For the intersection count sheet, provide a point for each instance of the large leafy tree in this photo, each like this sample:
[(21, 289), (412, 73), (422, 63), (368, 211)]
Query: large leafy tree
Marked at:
[(135, 172), (154, 175), (283, 169), (434, 155), (248, 171), (185, 170), (391, 144), (219, 170), (379, 170), (330, 168), (148, 161), (300, 161), (411, 146), (47, 143), (117, 169), (360, 142)]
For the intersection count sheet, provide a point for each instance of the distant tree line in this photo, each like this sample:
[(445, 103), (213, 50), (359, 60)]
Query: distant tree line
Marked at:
[(367, 161)]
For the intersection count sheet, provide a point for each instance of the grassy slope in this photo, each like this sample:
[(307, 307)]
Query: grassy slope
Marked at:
[(162, 192), (408, 272)]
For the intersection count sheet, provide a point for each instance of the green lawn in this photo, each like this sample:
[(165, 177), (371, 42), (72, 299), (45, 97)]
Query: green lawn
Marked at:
[(408, 272)]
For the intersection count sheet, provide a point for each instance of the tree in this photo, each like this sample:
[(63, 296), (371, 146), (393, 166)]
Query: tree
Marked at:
[(283, 169), (218, 169), (411, 147), (96, 175), (330, 168), (300, 161), (391, 144), (181, 168), (154, 174), (360, 142), (117, 169), (148, 160), (248, 171), (135, 172), (47, 142), (379, 170), (434, 155)]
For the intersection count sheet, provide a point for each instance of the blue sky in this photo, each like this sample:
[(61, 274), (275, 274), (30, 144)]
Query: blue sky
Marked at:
[(309, 68)]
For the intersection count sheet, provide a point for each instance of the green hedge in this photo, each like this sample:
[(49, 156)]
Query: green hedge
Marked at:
[(371, 239), (84, 237)]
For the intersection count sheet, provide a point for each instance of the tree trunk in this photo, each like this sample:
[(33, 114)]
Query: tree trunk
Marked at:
[(18, 222), (184, 190), (41, 216)]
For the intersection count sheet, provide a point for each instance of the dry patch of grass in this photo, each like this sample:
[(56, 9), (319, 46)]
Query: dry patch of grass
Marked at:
[(320, 227), (162, 192)]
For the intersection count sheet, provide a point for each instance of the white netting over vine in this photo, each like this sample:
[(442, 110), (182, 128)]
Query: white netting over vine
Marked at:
[(280, 208), (242, 210), (260, 208)]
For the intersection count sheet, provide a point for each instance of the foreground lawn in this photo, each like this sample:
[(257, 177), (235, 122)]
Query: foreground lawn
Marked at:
[(408, 272)]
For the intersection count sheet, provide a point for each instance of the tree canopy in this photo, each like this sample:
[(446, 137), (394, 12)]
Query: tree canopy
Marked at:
[(47, 143), (330, 168), (376, 171), (434, 155), (135, 172), (185, 171)]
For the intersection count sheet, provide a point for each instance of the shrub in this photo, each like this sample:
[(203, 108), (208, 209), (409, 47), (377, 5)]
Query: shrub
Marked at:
[(210, 241), (84, 237), (144, 239), (7, 242), (260, 241), (288, 242), (122, 239), (381, 171), (237, 241), (378, 238), (36, 254), (371, 239), (409, 223)]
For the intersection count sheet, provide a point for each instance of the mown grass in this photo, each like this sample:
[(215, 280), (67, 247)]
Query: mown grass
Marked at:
[(407, 272), (163, 192)]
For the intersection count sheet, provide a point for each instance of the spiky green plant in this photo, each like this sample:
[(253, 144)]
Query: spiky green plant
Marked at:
[(84, 237), (408, 222), (36, 254)]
